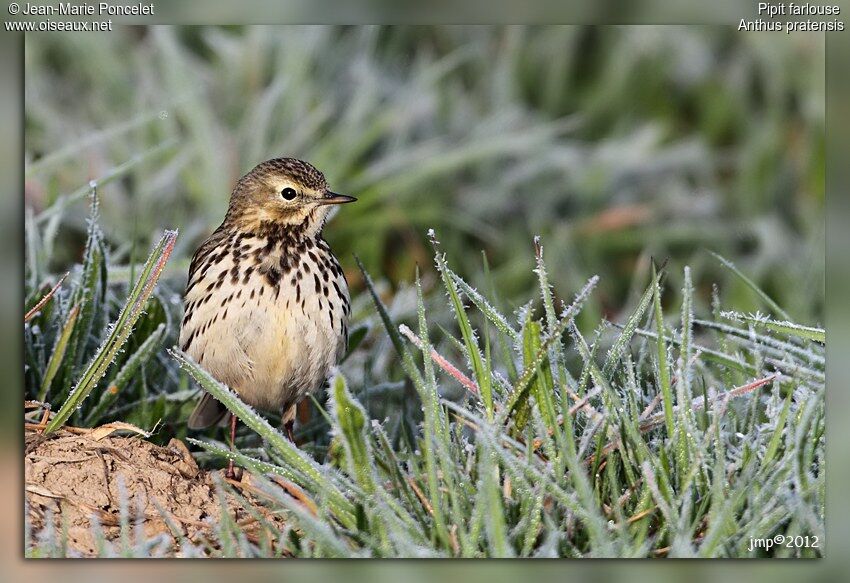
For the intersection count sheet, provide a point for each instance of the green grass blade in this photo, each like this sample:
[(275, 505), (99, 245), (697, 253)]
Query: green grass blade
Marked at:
[(58, 353), (433, 437), (556, 354), (492, 314), (143, 354), (752, 285), (776, 438), (686, 447), (351, 418), (120, 330), (89, 294), (787, 328), (544, 394), (811, 354), (541, 386), (494, 514), (630, 327), (523, 384), (482, 374), (663, 369)]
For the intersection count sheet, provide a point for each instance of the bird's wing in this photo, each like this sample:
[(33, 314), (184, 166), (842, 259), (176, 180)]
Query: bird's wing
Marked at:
[(207, 412), (203, 252)]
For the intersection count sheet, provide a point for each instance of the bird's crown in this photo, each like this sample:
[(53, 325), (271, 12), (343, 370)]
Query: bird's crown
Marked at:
[(294, 169)]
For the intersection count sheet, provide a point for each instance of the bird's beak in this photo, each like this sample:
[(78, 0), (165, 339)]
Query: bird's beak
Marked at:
[(334, 198)]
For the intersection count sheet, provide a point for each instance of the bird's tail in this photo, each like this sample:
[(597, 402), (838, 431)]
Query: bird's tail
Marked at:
[(207, 412)]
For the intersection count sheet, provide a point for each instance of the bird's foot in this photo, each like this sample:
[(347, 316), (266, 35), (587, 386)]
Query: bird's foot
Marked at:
[(233, 472)]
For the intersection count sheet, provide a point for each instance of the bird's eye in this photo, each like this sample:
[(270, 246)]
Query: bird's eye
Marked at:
[(288, 193)]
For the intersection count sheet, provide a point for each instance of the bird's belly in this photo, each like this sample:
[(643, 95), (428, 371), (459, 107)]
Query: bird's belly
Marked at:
[(272, 347)]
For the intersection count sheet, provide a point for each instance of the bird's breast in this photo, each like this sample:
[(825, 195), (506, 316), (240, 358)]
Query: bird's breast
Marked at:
[(267, 318)]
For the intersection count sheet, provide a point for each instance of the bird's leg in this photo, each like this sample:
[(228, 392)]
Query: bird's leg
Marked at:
[(288, 418), (231, 474)]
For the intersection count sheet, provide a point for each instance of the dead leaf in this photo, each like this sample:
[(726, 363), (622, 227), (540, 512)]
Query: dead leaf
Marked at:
[(99, 433)]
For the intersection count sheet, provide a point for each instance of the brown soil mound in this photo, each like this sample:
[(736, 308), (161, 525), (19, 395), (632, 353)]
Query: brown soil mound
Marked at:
[(77, 476)]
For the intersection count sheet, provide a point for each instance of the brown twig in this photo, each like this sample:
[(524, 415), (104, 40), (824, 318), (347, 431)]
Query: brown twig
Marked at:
[(291, 488), (43, 301), (42, 426), (421, 496), (651, 407), (639, 515)]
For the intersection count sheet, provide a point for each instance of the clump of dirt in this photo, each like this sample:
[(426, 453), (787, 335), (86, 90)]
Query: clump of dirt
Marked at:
[(78, 477)]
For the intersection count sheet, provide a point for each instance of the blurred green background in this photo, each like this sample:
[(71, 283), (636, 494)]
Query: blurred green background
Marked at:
[(616, 144)]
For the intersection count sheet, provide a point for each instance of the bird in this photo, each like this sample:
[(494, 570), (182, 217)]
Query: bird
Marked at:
[(266, 302)]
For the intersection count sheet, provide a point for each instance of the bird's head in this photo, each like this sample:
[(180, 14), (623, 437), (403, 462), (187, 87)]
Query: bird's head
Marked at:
[(283, 193)]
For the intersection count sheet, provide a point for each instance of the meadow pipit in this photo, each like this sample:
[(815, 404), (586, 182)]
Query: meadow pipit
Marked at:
[(267, 303)]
